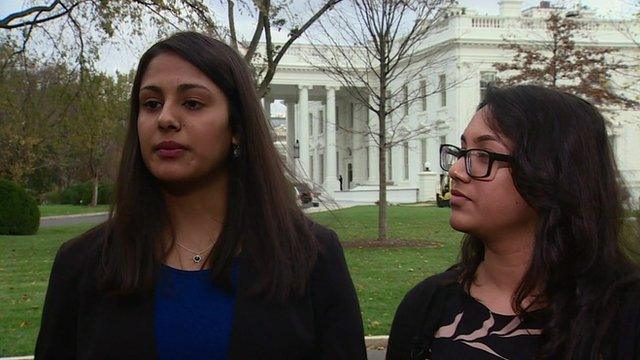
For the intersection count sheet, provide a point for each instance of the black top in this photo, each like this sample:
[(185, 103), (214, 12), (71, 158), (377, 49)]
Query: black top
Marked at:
[(79, 322), (469, 330), (432, 303)]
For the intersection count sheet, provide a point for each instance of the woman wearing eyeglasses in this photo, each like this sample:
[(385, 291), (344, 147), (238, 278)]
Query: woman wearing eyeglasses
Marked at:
[(542, 270)]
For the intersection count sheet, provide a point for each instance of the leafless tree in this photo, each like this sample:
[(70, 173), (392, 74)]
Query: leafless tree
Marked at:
[(372, 48)]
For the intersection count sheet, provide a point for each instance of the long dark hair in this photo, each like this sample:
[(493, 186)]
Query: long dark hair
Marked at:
[(262, 221), (564, 168)]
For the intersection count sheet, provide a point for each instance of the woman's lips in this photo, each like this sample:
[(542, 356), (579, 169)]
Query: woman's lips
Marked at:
[(169, 149), (169, 153), (458, 197)]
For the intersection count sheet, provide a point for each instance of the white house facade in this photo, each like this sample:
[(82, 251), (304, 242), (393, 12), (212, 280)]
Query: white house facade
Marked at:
[(326, 137)]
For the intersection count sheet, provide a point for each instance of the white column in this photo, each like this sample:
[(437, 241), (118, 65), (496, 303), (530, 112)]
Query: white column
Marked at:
[(414, 161), (303, 112), (359, 137), (316, 166), (374, 161), (330, 178), (266, 103), (291, 133)]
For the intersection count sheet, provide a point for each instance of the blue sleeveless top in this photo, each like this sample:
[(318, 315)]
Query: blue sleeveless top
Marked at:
[(192, 317)]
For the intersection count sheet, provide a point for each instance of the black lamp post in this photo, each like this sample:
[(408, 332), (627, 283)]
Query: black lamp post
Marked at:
[(296, 150)]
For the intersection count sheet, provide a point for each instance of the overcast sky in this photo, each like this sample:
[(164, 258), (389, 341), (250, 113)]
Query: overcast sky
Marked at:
[(118, 55), (608, 8)]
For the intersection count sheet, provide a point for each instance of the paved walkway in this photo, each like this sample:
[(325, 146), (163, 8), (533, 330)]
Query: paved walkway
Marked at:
[(335, 205), (51, 221), (376, 354)]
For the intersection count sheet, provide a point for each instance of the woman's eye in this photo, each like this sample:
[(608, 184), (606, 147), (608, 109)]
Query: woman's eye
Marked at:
[(192, 104), (483, 157), (152, 104)]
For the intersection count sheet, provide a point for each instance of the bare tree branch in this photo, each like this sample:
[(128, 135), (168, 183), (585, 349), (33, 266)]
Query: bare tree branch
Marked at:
[(5, 23), (257, 34), (233, 41), (293, 36)]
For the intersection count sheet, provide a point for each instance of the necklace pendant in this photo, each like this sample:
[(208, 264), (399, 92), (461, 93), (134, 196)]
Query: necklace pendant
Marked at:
[(197, 258)]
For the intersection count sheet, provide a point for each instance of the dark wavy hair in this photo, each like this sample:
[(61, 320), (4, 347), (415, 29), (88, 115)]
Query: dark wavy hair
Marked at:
[(262, 222), (564, 168)]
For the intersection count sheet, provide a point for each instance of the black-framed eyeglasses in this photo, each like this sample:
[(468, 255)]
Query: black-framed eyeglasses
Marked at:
[(477, 162)]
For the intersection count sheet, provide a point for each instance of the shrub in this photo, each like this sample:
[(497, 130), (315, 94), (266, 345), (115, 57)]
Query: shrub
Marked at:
[(106, 193), (53, 197), (83, 192), (76, 194), (19, 213)]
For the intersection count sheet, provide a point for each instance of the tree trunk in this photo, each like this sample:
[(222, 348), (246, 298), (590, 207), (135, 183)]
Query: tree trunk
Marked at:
[(382, 203), (382, 172), (94, 197), (382, 138)]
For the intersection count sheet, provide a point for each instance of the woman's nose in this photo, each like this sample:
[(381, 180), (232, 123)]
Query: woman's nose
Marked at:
[(168, 119), (458, 170)]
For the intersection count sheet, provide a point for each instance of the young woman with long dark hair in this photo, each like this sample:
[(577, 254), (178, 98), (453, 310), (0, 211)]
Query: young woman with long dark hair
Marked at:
[(205, 254), (543, 272)]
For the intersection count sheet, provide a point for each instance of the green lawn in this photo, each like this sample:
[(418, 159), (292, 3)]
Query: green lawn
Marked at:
[(24, 272), (381, 276), (405, 222), (54, 210)]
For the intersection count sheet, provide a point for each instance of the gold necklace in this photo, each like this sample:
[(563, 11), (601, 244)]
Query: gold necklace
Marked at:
[(197, 255)]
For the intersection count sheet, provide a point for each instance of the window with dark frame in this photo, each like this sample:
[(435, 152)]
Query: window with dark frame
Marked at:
[(406, 160), (423, 153), (366, 151), (487, 78), (390, 164), (405, 99), (442, 88), (423, 94)]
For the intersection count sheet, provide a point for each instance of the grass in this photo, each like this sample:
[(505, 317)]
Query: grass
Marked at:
[(24, 272), (381, 276), (405, 222), (55, 210)]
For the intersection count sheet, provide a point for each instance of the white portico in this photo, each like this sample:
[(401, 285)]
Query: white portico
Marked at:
[(320, 144)]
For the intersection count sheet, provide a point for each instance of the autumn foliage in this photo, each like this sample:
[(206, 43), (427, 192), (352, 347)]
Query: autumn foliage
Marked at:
[(560, 63)]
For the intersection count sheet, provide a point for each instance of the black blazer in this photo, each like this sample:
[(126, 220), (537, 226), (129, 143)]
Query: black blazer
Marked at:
[(79, 322)]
